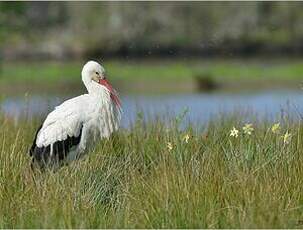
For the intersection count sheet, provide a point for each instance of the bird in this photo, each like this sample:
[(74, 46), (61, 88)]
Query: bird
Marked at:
[(76, 125)]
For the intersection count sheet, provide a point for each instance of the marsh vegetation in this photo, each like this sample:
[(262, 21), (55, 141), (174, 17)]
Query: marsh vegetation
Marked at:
[(155, 175)]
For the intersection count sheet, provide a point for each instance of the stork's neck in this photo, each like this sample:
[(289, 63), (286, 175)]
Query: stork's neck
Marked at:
[(92, 87)]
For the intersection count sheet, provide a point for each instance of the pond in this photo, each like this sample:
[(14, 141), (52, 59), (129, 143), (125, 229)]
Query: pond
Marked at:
[(201, 107)]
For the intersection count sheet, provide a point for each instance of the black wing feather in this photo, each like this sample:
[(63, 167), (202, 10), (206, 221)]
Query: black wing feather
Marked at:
[(41, 155)]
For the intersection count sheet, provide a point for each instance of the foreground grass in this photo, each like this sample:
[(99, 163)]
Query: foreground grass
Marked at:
[(134, 74), (136, 179)]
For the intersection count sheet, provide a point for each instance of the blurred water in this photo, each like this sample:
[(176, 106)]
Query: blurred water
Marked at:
[(201, 106)]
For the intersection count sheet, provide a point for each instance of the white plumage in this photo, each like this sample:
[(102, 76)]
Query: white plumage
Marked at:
[(65, 120), (79, 122)]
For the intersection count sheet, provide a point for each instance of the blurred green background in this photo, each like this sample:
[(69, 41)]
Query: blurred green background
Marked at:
[(62, 30), (208, 45)]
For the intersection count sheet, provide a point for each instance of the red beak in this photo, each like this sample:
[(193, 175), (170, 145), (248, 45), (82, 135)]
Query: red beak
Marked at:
[(113, 94), (106, 84)]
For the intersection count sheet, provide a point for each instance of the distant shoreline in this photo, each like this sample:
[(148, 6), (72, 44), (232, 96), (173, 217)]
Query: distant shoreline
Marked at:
[(156, 75)]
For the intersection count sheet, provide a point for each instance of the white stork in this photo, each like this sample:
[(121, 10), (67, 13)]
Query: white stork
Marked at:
[(75, 125)]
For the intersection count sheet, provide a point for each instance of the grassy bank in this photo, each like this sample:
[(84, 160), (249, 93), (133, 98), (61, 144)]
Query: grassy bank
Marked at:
[(178, 75), (152, 176)]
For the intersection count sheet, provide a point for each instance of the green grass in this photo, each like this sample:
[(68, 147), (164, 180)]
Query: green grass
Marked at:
[(155, 70), (132, 180)]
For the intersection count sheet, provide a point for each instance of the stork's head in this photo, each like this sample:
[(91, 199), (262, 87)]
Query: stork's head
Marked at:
[(93, 73)]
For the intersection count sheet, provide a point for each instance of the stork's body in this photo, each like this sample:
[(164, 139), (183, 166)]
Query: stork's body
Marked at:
[(75, 125)]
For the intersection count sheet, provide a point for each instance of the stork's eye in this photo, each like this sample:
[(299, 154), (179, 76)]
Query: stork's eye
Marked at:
[(97, 73)]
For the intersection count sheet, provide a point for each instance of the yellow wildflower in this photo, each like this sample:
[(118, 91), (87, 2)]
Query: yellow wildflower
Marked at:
[(234, 132), (287, 137), (169, 146), (276, 128), (186, 138), (248, 129)]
